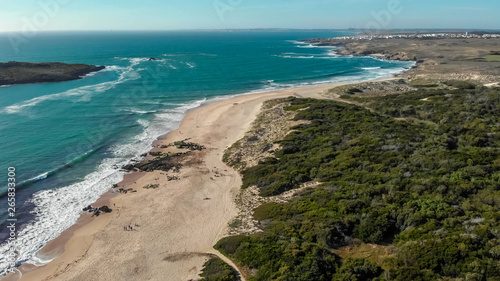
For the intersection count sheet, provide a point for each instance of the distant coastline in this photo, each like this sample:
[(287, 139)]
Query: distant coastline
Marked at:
[(437, 58), (12, 73)]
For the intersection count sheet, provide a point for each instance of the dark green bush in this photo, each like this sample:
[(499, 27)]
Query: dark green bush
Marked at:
[(357, 269), (353, 91), (428, 184), (462, 85), (229, 245), (216, 269)]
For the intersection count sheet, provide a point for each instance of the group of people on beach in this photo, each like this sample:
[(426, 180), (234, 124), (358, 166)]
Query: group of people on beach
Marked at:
[(129, 227)]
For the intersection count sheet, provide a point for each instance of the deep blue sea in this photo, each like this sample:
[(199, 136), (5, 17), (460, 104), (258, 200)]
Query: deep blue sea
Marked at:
[(79, 133)]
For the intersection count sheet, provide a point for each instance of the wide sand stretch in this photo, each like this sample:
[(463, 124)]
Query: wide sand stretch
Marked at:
[(175, 225)]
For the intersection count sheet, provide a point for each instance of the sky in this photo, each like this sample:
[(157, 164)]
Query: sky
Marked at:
[(29, 15)]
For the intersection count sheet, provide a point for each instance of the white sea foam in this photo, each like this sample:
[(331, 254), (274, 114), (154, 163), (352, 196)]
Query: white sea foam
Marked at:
[(139, 60), (327, 55), (39, 177), (370, 68), (85, 92), (310, 46), (300, 54), (93, 73), (143, 122), (297, 42), (331, 54), (306, 46), (372, 73), (298, 57), (138, 111)]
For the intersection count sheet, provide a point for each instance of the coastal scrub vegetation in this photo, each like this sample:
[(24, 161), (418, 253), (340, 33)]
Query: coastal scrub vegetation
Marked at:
[(216, 269), (419, 171)]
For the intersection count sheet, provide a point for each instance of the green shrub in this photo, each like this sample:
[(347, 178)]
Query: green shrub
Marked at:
[(229, 245), (216, 269), (357, 269), (462, 85), (265, 211), (156, 153), (413, 274), (429, 184)]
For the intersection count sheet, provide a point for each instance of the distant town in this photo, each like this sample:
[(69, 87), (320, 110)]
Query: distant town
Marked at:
[(463, 35)]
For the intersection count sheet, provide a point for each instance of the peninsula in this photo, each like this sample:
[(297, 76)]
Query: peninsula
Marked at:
[(28, 73), (437, 58)]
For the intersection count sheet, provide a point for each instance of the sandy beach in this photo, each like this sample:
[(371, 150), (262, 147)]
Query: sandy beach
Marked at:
[(175, 225)]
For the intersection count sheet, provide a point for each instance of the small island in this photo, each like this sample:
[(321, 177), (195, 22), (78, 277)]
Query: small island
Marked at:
[(28, 73)]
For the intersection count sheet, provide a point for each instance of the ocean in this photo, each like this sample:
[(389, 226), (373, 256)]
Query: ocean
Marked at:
[(67, 141)]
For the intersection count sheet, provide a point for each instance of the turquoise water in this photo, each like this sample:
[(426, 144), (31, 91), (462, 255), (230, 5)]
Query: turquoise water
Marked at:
[(79, 133)]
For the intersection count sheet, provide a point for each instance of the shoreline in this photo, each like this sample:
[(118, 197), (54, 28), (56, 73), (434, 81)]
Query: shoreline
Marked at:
[(436, 58), (74, 245)]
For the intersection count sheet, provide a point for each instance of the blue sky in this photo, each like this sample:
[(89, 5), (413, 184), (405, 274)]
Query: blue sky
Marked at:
[(216, 14)]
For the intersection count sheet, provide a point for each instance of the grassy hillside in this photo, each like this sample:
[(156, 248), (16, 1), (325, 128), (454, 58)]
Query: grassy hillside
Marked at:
[(418, 174)]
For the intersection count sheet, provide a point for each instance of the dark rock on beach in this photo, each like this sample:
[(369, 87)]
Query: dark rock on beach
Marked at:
[(28, 73), (166, 163), (188, 145), (105, 209), (128, 167), (97, 211)]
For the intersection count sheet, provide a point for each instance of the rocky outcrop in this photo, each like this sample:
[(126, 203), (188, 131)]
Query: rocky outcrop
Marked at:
[(188, 145), (356, 48), (97, 211), (28, 73), (168, 162), (400, 56)]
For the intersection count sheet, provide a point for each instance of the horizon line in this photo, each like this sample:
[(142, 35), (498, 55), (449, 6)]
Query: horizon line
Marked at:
[(258, 29)]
